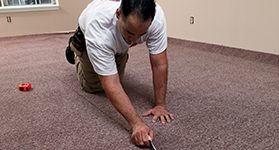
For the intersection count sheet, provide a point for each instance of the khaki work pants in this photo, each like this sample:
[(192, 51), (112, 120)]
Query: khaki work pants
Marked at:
[(86, 75)]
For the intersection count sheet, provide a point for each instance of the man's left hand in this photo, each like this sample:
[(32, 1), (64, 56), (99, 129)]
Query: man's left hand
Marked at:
[(161, 113)]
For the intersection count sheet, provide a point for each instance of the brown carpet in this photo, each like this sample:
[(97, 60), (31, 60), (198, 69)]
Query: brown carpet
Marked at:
[(223, 98)]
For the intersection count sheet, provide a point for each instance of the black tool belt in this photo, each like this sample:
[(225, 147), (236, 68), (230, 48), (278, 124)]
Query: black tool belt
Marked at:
[(78, 40)]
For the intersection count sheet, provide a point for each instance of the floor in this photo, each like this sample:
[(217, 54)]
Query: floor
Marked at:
[(222, 98)]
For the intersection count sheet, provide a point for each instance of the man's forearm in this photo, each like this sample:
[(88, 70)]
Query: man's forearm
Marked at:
[(159, 64), (119, 99), (160, 77), (141, 133)]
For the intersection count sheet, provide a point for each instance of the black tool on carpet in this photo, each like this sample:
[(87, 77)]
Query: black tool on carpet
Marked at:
[(152, 146)]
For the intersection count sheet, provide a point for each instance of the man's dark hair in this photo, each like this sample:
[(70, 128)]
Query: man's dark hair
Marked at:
[(145, 9)]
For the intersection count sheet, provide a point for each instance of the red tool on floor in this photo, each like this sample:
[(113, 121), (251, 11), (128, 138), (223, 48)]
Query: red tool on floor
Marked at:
[(24, 87)]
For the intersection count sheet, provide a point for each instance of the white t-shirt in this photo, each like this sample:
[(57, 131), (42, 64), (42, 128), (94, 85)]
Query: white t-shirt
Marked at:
[(98, 22)]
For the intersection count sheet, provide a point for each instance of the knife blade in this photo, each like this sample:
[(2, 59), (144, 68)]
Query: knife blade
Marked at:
[(152, 146)]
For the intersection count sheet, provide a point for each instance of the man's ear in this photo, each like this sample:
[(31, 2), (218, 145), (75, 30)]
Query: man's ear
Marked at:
[(118, 12)]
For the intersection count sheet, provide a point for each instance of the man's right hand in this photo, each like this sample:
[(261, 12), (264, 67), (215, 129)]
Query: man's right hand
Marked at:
[(141, 134)]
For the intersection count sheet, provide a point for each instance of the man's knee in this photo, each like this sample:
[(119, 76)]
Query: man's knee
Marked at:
[(92, 88)]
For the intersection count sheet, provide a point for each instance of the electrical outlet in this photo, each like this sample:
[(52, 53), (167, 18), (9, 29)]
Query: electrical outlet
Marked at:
[(9, 19), (192, 20)]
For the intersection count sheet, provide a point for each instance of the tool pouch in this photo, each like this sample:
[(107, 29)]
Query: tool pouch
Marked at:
[(77, 42)]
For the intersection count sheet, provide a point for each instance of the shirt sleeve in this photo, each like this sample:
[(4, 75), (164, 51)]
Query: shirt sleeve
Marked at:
[(100, 53), (157, 40)]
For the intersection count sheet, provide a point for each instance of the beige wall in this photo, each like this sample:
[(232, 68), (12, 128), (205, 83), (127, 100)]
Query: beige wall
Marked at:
[(25, 23), (248, 24)]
